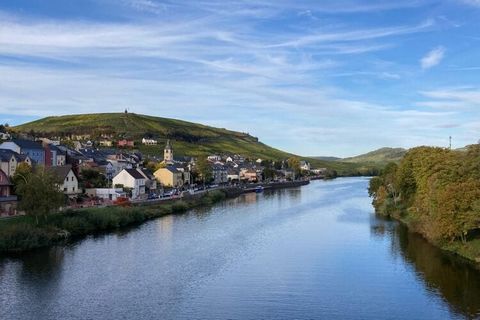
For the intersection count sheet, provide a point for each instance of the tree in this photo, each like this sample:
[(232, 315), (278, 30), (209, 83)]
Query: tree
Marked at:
[(39, 193), (91, 178), (294, 164), (160, 165), (22, 174), (204, 169), (150, 165)]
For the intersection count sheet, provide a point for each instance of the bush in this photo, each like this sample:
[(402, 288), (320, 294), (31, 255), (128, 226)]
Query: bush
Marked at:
[(25, 236), (76, 225), (180, 206), (103, 219)]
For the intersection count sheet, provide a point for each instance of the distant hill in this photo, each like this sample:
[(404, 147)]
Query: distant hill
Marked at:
[(381, 156), (327, 158)]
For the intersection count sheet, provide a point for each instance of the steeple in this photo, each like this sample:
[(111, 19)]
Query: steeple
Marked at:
[(168, 153)]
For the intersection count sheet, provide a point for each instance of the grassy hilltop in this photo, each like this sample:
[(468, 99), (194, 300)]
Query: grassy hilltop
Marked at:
[(381, 156), (189, 139)]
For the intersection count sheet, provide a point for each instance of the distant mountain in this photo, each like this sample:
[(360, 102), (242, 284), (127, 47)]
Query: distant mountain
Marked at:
[(380, 156)]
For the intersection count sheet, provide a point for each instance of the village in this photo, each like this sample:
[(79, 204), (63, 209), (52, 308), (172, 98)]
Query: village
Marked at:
[(107, 172)]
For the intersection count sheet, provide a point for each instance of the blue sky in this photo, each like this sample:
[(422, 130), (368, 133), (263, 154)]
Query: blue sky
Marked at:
[(310, 77)]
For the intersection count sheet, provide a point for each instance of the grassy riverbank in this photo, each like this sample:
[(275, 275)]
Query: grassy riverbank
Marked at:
[(435, 192), (22, 233)]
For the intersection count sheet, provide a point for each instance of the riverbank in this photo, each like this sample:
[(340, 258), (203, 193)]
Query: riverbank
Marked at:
[(435, 192), (21, 233), (469, 251)]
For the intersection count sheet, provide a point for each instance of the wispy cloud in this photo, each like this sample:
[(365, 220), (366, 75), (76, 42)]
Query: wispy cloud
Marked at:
[(307, 76), (471, 2), (432, 58)]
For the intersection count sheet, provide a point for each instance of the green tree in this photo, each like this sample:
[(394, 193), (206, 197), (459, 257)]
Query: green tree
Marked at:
[(204, 169), (91, 178), (22, 174), (39, 193), (294, 164)]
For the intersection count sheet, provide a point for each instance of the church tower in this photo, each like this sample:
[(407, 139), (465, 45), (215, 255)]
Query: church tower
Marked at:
[(168, 153)]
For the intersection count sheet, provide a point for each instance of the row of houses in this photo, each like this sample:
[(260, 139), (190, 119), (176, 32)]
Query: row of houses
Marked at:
[(123, 170)]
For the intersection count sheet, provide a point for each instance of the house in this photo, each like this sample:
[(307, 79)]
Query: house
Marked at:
[(219, 174), (304, 165), (214, 157), (170, 176), (105, 143), (34, 150), (8, 201), (149, 142), (132, 179), (319, 171), (105, 193), (54, 156), (60, 155), (68, 180), (9, 161), (125, 143), (150, 180), (46, 141), (249, 175), (233, 175)]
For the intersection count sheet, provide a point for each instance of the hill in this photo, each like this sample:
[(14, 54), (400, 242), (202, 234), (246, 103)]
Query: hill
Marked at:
[(188, 138), (326, 158), (381, 156)]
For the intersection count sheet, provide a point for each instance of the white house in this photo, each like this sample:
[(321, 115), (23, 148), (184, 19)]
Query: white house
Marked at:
[(304, 165), (131, 178), (233, 175), (68, 181), (149, 142), (105, 193), (214, 157)]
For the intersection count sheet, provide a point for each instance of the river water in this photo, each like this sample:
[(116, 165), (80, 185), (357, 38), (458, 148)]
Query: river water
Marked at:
[(314, 252)]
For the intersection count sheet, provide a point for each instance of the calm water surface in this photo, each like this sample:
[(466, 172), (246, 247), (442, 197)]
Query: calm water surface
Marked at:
[(316, 252)]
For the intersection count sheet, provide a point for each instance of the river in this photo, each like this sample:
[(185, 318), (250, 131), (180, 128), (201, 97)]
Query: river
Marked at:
[(314, 252)]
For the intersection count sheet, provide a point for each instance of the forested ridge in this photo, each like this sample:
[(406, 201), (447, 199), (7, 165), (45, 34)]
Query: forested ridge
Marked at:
[(436, 192)]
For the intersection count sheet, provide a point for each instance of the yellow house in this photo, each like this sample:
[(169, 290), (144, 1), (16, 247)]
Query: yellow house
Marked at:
[(169, 176)]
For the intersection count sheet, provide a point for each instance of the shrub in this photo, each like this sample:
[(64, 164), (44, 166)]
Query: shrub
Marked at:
[(76, 225), (25, 236), (179, 206)]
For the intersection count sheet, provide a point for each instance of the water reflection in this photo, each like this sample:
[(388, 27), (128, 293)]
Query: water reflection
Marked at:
[(287, 254), (453, 279)]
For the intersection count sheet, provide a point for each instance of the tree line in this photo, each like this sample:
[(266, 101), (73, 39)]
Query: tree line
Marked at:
[(435, 191)]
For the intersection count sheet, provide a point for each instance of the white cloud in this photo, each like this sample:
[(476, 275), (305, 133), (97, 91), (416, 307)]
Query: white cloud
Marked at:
[(432, 58), (471, 2)]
